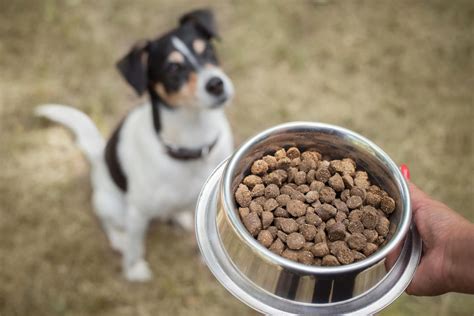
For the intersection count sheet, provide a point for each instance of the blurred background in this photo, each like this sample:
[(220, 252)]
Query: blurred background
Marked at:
[(398, 72)]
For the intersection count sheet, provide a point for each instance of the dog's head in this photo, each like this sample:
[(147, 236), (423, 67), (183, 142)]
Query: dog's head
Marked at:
[(181, 67)]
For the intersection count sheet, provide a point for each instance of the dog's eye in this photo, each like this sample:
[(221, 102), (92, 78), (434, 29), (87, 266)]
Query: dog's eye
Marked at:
[(173, 68)]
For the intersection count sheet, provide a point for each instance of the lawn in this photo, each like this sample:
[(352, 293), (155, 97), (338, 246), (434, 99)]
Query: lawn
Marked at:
[(398, 72)]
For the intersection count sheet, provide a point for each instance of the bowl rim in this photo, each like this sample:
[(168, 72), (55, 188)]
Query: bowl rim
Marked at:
[(235, 221)]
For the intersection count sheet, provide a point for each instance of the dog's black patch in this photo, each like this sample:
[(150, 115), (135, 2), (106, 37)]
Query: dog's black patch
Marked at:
[(147, 64), (112, 160)]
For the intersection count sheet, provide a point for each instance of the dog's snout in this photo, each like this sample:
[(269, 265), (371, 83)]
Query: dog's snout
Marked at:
[(215, 86)]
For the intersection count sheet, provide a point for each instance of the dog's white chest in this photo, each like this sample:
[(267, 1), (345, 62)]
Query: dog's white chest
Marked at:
[(157, 183)]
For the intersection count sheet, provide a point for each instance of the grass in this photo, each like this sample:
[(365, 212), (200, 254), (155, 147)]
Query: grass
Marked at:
[(398, 72)]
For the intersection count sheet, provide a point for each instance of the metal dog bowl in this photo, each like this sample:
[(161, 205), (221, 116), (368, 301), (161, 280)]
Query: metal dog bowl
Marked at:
[(272, 284)]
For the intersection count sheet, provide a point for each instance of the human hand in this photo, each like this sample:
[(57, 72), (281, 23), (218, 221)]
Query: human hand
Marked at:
[(448, 247)]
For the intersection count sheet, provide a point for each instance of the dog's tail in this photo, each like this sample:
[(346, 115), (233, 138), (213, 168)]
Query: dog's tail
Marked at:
[(88, 137)]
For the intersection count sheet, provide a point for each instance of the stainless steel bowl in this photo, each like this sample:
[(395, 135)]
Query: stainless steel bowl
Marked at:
[(272, 284)]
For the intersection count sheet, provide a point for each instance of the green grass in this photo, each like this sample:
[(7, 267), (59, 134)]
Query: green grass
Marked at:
[(398, 72)]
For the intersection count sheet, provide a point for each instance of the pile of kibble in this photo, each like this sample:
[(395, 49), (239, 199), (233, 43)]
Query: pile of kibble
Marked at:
[(313, 211)]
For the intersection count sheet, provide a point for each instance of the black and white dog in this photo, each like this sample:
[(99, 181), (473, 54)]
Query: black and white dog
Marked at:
[(162, 152)]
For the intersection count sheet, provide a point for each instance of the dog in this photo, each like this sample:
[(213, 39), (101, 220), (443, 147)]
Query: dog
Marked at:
[(159, 156)]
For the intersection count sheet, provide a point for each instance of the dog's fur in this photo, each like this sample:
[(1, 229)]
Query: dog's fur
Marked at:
[(139, 173)]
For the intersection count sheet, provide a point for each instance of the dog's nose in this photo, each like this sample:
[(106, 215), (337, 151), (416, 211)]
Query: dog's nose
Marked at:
[(215, 86)]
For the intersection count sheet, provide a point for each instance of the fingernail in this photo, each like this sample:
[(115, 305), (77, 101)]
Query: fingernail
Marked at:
[(405, 171)]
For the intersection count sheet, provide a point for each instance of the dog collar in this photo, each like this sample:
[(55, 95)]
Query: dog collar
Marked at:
[(183, 153)]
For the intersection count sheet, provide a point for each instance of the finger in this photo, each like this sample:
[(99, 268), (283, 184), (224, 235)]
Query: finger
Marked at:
[(418, 197)]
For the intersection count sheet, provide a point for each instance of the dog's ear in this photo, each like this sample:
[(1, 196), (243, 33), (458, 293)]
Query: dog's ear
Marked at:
[(133, 67), (203, 20)]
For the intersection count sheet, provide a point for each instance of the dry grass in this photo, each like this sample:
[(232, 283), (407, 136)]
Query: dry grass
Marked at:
[(400, 73)]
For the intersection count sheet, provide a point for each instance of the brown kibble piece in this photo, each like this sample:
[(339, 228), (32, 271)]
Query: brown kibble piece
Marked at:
[(311, 176), (290, 254), (272, 191), (293, 153), (308, 245), (345, 256), (369, 217), (305, 257), (312, 196), (297, 195), (252, 223), (273, 230), (345, 195), (252, 180), (255, 207), (296, 208), (284, 163), (295, 241), (272, 177), (243, 195), (337, 245), (259, 167), (355, 215), (301, 220), (244, 211), (258, 190), (336, 231), (316, 186), (341, 206), (331, 221), (307, 165), (340, 216), (260, 200), (303, 188), (308, 231), (280, 153), (373, 199), (357, 241), (282, 236), (267, 219), (348, 181), (277, 247), (369, 249), (300, 177), (321, 235), (336, 183), (288, 225), (326, 211), (358, 256), (281, 212), (371, 235), (383, 226), (361, 183), (359, 192), (323, 174), (283, 199), (327, 195), (387, 204), (320, 249), (330, 260), (271, 162), (354, 202), (270, 205), (295, 163), (313, 219), (355, 226), (265, 238)]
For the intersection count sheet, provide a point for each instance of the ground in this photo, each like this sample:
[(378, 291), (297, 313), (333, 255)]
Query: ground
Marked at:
[(398, 72)]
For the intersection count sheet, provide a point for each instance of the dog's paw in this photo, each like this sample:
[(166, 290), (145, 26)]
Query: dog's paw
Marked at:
[(138, 272)]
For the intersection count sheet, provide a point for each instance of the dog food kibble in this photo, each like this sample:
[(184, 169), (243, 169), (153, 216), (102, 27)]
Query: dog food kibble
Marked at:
[(314, 211)]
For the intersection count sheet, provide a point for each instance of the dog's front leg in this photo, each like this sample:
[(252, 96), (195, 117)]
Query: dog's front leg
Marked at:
[(135, 267)]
